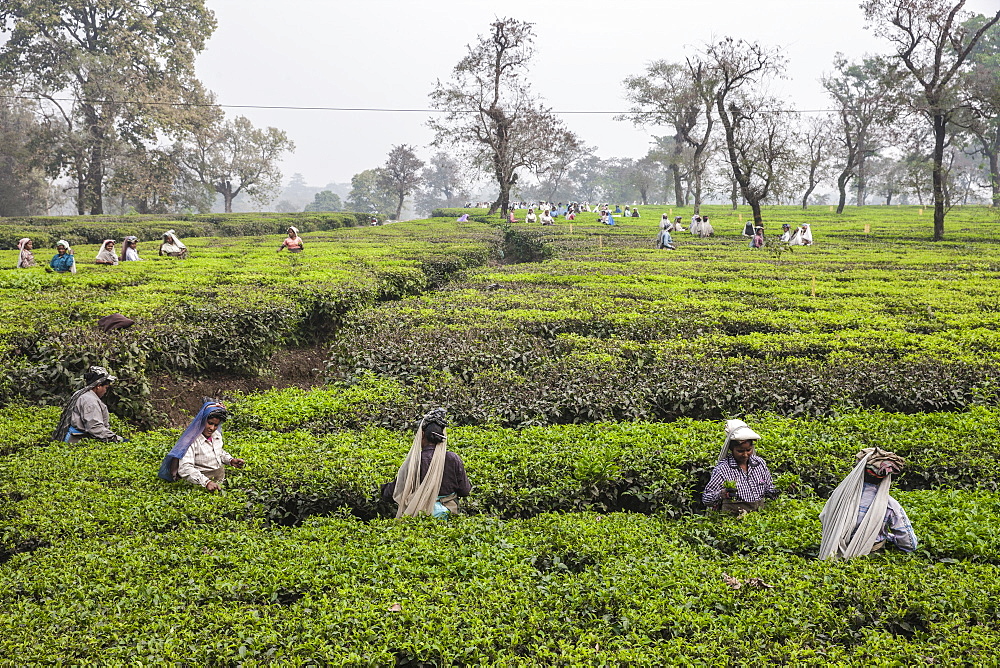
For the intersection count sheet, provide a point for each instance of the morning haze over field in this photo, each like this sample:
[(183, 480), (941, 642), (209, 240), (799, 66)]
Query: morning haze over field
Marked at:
[(563, 254)]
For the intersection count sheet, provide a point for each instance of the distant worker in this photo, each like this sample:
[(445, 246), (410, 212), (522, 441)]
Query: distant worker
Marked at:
[(198, 457), (85, 414), (172, 246), (62, 262), (130, 250), (861, 518), (431, 477), (107, 253), (293, 242), (25, 257), (705, 230), (547, 219)]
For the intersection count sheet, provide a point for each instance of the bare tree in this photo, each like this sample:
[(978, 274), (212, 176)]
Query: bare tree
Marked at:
[(933, 39), (400, 175), (757, 139), (868, 104), (492, 115), (682, 96), (817, 145)]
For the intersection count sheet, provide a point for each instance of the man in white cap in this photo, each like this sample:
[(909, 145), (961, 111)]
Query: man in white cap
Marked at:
[(741, 481)]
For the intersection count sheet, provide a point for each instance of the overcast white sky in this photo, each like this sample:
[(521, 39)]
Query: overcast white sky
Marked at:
[(388, 53)]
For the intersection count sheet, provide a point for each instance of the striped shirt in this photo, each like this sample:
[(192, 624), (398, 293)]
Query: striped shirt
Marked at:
[(754, 484)]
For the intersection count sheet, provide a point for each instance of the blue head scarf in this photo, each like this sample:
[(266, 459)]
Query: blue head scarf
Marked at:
[(168, 469)]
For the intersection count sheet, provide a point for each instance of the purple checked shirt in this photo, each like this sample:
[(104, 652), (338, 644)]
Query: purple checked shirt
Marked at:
[(754, 485)]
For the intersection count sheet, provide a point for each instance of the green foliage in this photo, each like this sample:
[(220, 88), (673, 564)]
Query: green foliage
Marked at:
[(325, 200), (573, 387)]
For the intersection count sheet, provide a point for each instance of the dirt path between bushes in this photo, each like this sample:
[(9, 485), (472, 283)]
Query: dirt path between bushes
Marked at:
[(180, 397)]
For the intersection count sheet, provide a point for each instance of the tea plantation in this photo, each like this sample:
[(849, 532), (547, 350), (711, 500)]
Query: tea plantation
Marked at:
[(586, 374)]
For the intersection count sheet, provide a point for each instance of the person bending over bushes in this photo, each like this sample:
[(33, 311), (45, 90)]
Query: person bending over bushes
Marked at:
[(199, 456), (85, 415), (431, 478), (861, 517), (172, 246), (741, 481)]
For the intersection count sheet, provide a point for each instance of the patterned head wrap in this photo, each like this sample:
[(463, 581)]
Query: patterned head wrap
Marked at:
[(22, 243), (63, 242), (437, 416), (881, 462)]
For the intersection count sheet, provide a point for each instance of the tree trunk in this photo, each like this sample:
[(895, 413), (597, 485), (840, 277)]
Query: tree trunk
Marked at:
[(993, 154), (734, 195), (697, 192), (842, 180), (940, 128), (95, 177), (755, 208), (399, 207), (675, 171), (805, 197)]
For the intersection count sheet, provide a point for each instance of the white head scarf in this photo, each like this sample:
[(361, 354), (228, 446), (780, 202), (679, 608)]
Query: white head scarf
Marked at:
[(295, 231), (412, 495), (807, 234), (173, 239), (840, 539), (25, 258), (105, 255)]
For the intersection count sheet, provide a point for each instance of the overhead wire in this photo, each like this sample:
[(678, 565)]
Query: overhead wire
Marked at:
[(283, 107)]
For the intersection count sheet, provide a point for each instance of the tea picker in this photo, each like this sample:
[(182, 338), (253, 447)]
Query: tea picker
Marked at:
[(741, 481), (85, 414), (860, 517)]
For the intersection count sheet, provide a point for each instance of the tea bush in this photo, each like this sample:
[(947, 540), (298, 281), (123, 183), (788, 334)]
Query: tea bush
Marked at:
[(586, 392)]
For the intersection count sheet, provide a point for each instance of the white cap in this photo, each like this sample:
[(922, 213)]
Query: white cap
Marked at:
[(744, 433)]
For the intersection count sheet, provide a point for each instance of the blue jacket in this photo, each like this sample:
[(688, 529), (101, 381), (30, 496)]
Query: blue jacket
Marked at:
[(61, 263)]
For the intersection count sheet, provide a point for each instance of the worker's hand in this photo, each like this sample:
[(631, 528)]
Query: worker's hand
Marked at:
[(238, 463), (212, 486), (725, 493)]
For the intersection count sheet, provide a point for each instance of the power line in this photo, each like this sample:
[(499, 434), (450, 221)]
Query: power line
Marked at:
[(361, 109)]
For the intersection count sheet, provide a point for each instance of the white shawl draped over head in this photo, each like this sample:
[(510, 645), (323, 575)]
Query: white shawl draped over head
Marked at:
[(840, 539), (170, 238), (736, 430), (412, 495), (105, 255)]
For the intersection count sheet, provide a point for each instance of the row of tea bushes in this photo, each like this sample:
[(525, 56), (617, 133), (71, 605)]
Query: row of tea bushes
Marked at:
[(51, 492), (46, 230), (227, 309), (583, 589)]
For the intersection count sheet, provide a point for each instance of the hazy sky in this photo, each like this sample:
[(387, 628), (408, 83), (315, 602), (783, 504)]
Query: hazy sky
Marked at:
[(388, 54)]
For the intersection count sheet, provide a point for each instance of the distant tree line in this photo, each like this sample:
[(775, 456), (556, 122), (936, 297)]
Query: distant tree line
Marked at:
[(102, 94)]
